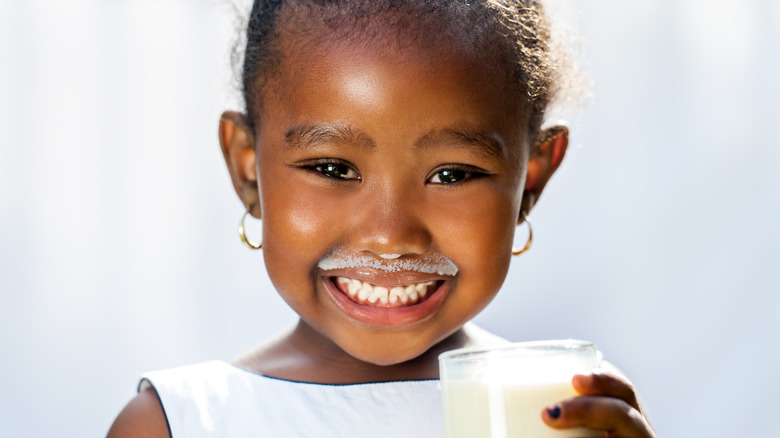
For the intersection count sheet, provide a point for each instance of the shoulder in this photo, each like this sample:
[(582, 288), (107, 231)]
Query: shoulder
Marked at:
[(143, 417)]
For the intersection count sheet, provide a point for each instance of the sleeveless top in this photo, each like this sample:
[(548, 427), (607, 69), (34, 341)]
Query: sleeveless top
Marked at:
[(218, 399)]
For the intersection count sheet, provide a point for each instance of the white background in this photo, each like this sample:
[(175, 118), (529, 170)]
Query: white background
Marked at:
[(658, 239)]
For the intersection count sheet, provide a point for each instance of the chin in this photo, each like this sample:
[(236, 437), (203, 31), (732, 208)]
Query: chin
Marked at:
[(385, 358), (377, 355), (388, 351)]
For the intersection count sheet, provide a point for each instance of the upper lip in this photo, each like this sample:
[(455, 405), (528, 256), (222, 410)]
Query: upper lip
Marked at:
[(384, 278)]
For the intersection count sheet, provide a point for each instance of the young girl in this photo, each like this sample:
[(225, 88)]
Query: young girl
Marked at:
[(390, 149)]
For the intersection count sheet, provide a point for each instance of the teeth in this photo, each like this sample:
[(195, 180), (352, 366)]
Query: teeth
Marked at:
[(407, 293), (396, 293), (365, 291), (368, 293), (381, 293), (352, 287)]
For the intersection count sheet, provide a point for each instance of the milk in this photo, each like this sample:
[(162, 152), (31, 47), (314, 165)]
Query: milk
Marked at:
[(500, 392), (482, 410)]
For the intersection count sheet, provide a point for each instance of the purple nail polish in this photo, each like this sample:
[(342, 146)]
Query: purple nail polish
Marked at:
[(554, 412)]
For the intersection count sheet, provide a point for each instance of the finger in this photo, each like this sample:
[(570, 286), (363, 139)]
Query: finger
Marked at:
[(599, 413), (606, 385)]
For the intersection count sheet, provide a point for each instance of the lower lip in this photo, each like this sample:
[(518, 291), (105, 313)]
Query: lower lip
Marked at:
[(387, 316)]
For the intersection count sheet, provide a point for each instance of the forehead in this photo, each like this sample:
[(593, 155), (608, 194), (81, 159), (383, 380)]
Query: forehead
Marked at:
[(388, 84)]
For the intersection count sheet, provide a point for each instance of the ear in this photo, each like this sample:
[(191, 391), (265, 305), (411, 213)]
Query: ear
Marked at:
[(238, 148), (546, 156)]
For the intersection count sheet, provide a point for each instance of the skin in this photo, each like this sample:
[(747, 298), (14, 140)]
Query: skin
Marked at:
[(393, 208), (395, 185)]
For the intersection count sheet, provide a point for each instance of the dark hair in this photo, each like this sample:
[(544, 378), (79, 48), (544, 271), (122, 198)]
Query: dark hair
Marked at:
[(516, 31)]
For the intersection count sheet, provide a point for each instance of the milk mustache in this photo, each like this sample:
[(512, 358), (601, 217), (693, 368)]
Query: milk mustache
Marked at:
[(502, 395)]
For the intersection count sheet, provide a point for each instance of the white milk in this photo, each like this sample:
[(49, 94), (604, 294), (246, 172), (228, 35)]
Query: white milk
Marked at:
[(517, 410)]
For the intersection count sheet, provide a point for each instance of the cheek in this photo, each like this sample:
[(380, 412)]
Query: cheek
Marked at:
[(295, 225), (478, 236), (293, 219), (291, 214), (295, 236)]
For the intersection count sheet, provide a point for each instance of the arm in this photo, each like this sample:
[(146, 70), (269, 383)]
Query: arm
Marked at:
[(143, 417)]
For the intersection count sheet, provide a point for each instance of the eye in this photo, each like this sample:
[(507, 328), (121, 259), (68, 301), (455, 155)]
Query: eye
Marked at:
[(452, 175), (333, 169)]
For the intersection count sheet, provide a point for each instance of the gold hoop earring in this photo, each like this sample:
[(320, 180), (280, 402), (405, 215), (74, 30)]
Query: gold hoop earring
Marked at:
[(242, 234), (527, 246)]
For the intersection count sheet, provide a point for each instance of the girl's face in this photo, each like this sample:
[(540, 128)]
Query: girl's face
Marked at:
[(373, 163)]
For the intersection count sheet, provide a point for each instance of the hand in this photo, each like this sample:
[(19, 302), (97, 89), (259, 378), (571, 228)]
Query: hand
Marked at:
[(607, 403)]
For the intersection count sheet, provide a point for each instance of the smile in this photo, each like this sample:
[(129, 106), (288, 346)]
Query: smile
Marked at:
[(368, 294), (398, 300)]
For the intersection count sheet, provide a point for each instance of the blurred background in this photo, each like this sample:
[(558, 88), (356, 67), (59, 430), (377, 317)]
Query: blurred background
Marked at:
[(658, 239)]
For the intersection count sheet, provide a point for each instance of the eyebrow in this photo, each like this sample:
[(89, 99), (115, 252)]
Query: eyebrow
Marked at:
[(488, 144), (310, 136)]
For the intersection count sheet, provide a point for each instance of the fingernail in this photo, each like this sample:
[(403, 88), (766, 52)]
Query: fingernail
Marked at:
[(554, 412)]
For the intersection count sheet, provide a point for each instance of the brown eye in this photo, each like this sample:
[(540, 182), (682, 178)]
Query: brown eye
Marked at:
[(334, 170), (451, 176)]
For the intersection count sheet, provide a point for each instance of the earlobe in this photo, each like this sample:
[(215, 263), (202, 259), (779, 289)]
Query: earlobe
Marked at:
[(546, 156), (238, 149)]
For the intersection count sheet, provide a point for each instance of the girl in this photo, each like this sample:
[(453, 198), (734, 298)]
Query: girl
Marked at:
[(390, 149)]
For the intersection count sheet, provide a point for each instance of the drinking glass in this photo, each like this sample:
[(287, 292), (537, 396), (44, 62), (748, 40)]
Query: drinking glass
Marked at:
[(501, 392)]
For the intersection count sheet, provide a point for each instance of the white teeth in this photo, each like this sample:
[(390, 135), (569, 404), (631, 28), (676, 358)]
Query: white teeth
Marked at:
[(353, 286), (422, 288), (396, 294), (365, 292), (418, 291), (381, 293), (407, 293), (368, 293)]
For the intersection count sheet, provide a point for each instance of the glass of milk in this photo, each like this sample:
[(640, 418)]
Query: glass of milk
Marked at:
[(501, 392)]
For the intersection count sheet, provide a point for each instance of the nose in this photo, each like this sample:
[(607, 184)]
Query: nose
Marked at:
[(390, 222)]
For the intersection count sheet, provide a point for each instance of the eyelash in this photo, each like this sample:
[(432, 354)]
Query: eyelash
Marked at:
[(324, 167), (466, 173)]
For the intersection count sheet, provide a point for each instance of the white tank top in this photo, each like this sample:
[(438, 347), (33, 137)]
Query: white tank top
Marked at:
[(218, 399)]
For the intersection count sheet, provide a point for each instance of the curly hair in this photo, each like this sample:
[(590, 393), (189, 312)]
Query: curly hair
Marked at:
[(515, 32)]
